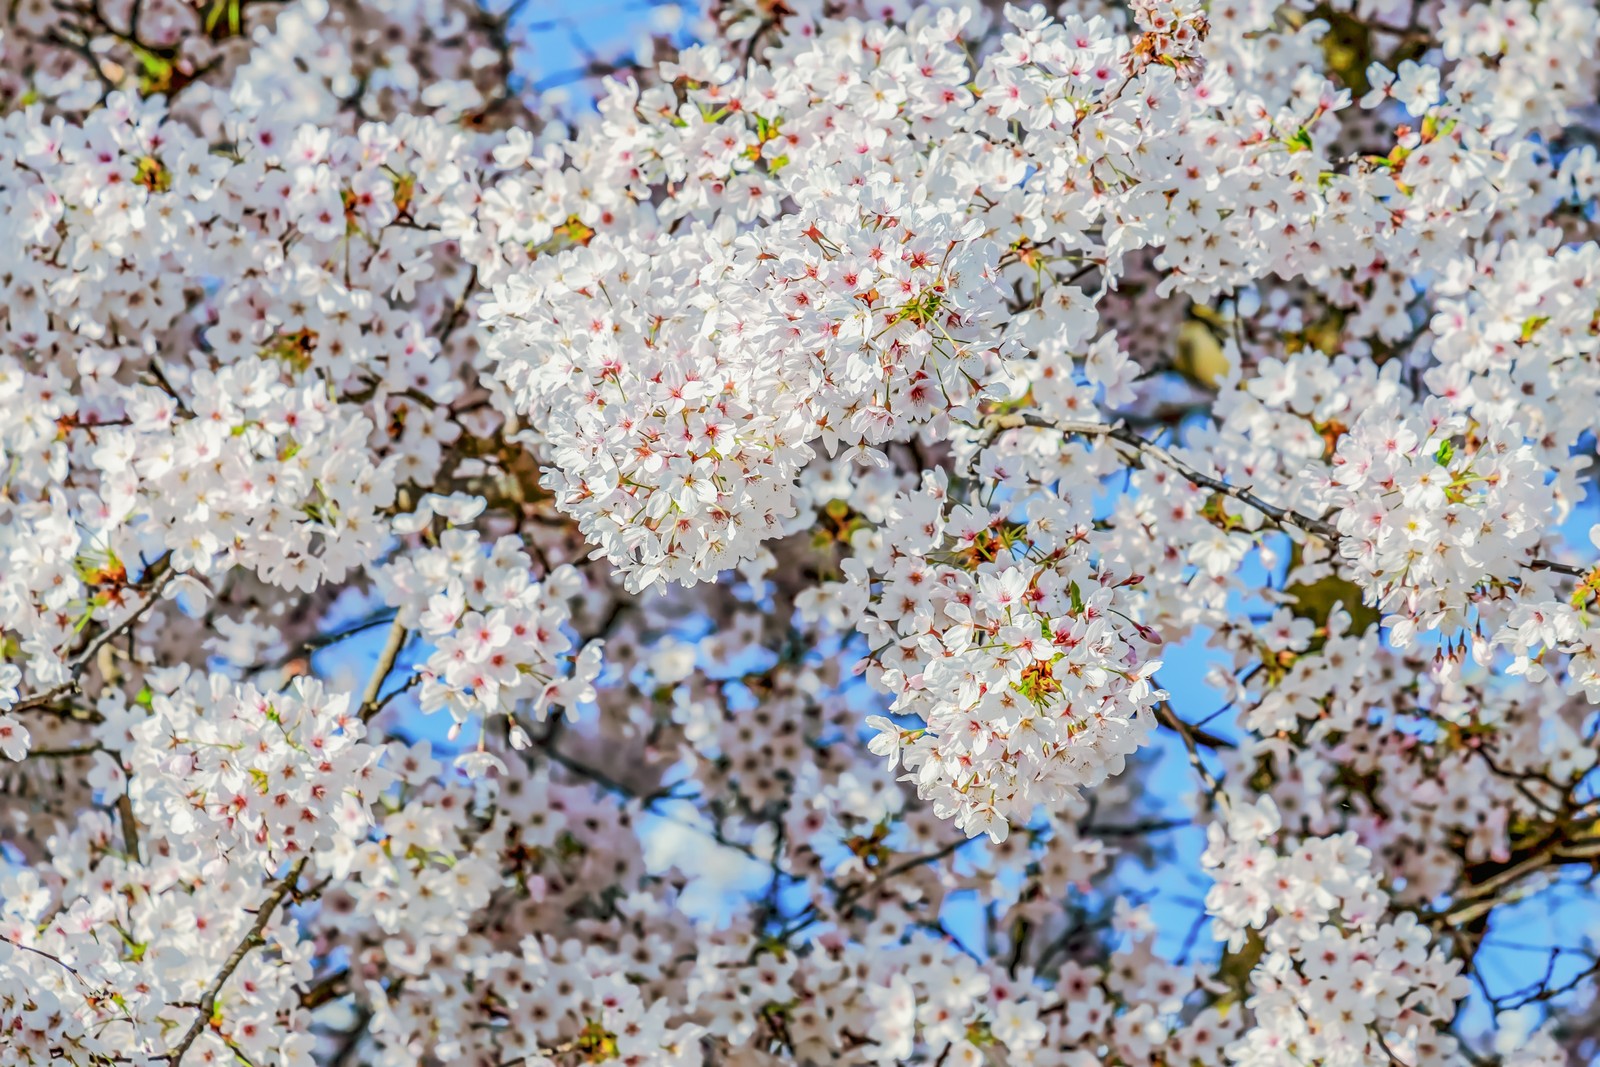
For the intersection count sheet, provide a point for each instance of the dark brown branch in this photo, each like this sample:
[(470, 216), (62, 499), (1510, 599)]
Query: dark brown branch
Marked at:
[(130, 827), (1191, 744), (370, 706), (328, 988)]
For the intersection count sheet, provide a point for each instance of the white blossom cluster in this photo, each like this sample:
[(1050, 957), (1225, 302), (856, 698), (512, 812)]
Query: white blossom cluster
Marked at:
[(1333, 977), (1030, 680)]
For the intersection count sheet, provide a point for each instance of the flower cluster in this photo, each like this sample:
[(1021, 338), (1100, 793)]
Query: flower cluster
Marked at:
[(501, 640), (1004, 638), (117, 945), (1335, 982)]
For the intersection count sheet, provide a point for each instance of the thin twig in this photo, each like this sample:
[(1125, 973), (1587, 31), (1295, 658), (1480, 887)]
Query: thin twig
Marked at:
[(391, 651), (1283, 517), (162, 578), (458, 312), (47, 955), (1170, 718)]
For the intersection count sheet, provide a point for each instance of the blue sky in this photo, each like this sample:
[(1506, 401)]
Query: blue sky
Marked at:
[(566, 37)]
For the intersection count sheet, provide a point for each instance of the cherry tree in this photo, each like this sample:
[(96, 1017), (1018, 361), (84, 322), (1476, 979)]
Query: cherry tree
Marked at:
[(715, 573)]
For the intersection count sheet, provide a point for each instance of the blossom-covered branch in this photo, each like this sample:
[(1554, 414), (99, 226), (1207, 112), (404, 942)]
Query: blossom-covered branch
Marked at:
[(940, 533)]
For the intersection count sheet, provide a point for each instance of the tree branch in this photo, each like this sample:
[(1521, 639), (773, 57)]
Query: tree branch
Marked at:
[(281, 889), (1191, 744), (391, 651), (161, 578), (1148, 449), (130, 827)]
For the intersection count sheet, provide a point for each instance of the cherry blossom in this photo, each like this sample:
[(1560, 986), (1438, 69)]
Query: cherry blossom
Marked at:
[(857, 533)]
